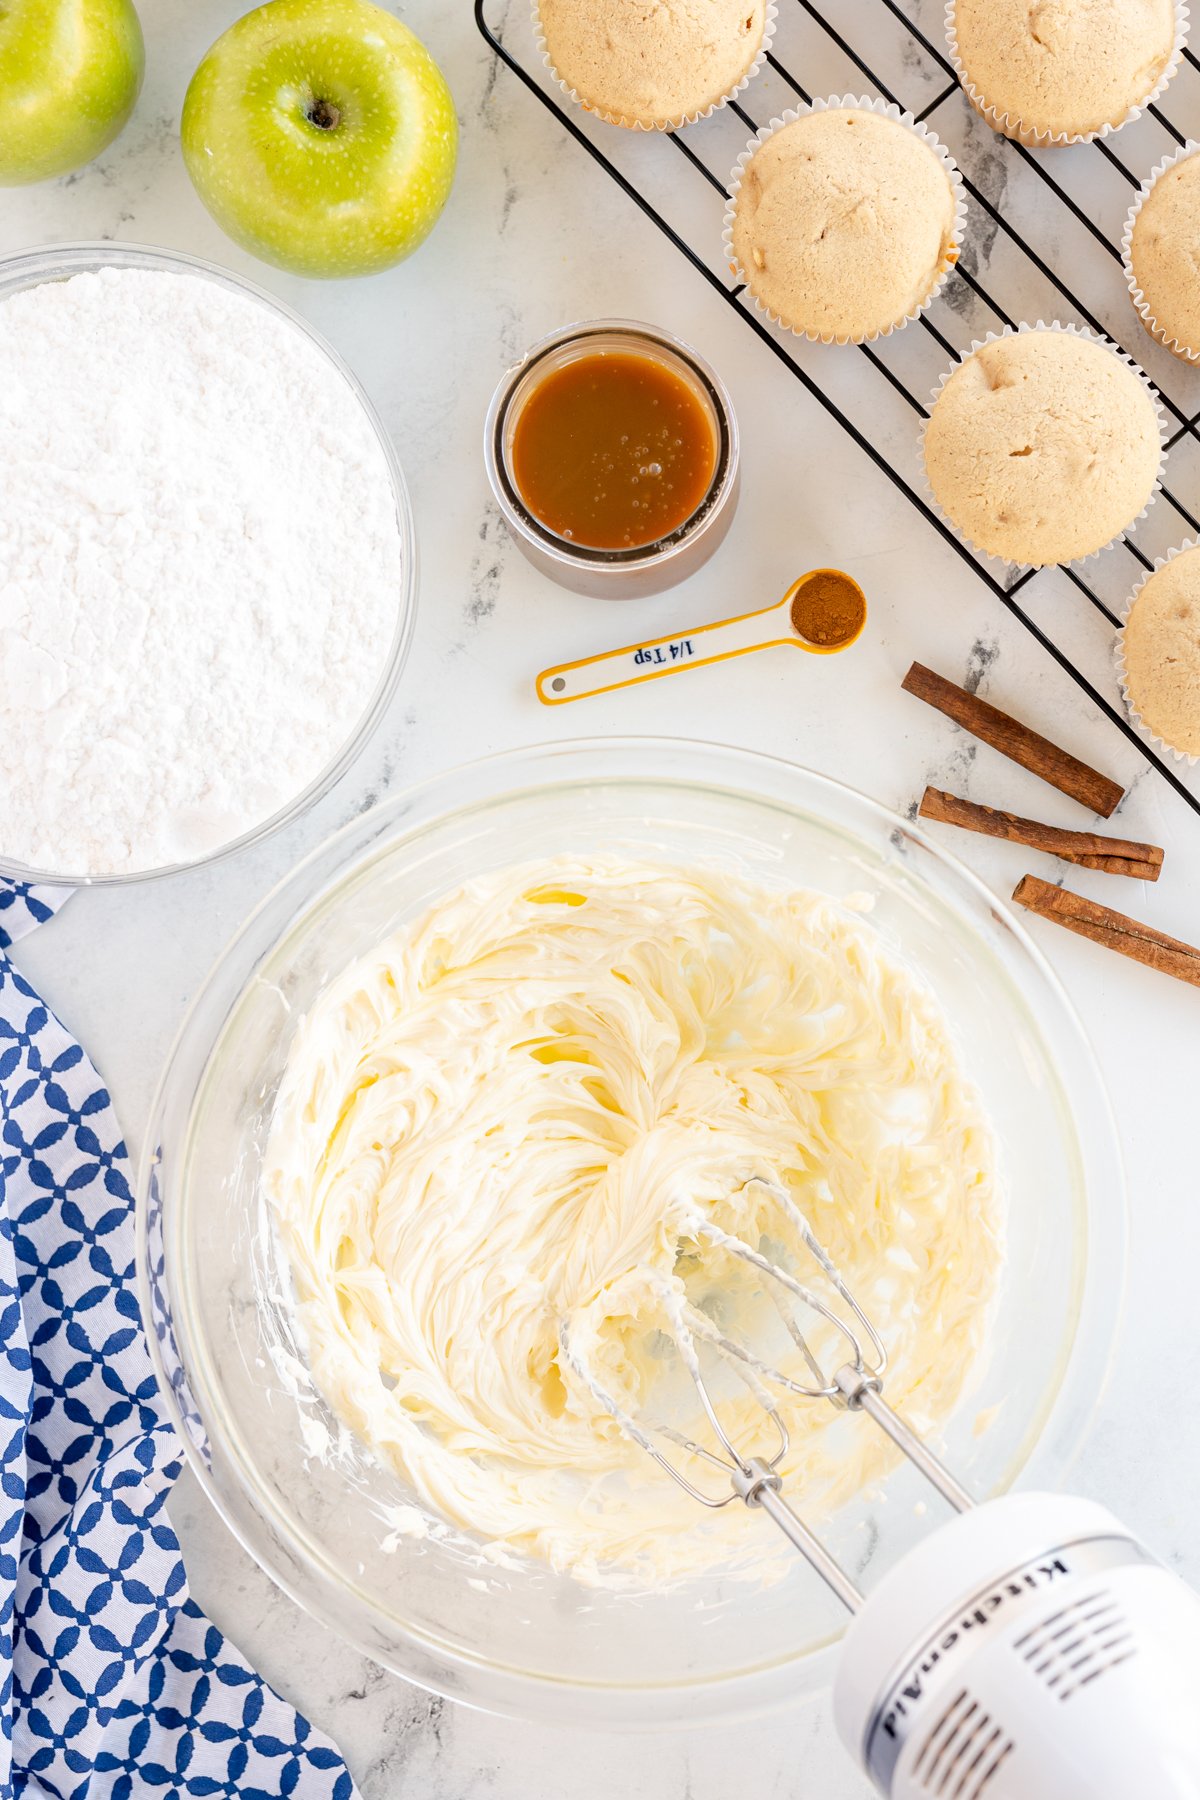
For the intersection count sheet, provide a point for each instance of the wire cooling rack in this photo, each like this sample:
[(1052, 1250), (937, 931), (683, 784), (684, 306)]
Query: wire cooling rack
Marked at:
[(1043, 236)]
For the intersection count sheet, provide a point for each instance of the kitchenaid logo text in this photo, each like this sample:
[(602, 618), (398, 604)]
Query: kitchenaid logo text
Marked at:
[(983, 1611)]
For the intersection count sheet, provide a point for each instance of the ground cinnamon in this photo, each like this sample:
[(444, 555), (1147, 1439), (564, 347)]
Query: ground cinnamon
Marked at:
[(828, 609)]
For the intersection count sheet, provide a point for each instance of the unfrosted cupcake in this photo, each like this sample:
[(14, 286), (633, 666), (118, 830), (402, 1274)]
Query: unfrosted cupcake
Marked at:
[(843, 221), (652, 66), (1162, 255), (1043, 446), (1056, 71), (1158, 653)]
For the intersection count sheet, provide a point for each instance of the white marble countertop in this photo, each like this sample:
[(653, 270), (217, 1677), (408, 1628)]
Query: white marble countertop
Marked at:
[(536, 235)]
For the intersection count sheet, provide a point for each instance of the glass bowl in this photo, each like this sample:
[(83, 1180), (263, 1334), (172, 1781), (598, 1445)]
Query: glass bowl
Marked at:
[(30, 268), (307, 1502)]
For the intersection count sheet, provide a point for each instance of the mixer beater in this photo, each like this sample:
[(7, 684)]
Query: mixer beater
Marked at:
[(1030, 1649)]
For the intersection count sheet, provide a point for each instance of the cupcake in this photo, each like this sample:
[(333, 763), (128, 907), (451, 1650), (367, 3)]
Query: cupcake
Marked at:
[(1158, 653), (1043, 446), (652, 67), (1060, 71), (1162, 254), (844, 220)]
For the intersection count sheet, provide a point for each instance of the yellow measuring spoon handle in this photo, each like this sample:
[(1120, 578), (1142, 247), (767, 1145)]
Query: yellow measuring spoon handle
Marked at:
[(646, 661)]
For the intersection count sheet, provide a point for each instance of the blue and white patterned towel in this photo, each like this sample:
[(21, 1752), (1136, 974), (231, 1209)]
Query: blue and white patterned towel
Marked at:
[(113, 1684)]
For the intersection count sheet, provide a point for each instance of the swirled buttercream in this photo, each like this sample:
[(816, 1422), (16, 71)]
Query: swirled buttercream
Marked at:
[(519, 1109)]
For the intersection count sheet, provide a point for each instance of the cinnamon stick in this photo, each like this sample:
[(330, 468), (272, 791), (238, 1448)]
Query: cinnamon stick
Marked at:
[(1112, 929), (1014, 740), (1115, 856)]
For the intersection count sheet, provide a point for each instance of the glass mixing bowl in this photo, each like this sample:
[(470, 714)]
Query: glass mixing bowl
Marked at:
[(57, 262), (317, 1516)]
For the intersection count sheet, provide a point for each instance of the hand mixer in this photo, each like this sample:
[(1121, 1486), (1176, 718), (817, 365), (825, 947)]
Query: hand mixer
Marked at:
[(1029, 1649)]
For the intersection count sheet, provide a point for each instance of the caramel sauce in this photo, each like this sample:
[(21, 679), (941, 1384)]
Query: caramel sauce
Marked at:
[(613, 451)]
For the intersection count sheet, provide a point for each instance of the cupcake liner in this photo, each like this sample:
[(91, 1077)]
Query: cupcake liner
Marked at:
[(772, 15), (1179, 756), (1053, 140), (1184, 351), (887, 110), (1093, 337)]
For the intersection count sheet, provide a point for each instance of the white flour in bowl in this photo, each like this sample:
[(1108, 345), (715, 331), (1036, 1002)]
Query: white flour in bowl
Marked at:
[(200, 569)]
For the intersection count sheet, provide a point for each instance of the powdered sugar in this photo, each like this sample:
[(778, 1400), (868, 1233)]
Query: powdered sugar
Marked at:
[(200, 568)]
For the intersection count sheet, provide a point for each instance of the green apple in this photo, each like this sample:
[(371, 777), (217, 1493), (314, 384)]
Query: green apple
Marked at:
[(321, 136), (70, 71)]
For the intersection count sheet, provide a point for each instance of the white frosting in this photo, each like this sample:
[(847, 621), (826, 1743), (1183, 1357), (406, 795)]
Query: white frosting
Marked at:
[(515, 1113)]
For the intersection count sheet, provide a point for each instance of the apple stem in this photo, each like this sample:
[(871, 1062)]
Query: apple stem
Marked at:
[(324, 115)]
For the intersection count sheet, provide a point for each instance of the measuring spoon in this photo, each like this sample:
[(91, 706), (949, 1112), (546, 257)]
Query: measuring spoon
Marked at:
[(761, 630)]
